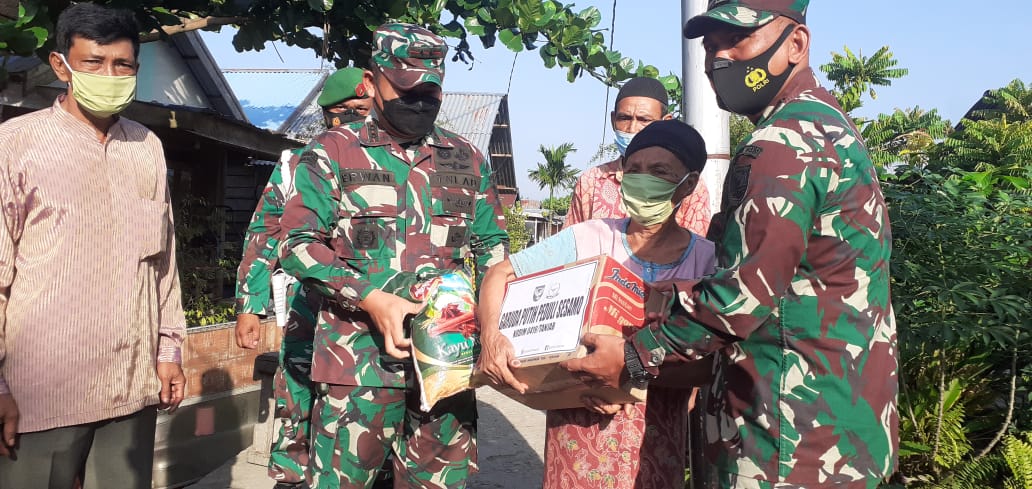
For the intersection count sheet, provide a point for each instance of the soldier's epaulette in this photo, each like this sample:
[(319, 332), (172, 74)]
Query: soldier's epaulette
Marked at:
[(751, 151), (371, 132)]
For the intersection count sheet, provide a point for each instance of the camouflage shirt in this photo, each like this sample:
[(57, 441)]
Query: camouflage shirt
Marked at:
[(367, 213), (805, 385), (260, 258)]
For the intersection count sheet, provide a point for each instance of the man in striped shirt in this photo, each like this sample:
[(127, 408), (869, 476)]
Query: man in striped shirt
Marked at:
[(91, 320)]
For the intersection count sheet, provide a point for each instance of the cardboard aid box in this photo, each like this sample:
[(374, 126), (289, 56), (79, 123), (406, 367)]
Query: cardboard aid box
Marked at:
[(545, 315)]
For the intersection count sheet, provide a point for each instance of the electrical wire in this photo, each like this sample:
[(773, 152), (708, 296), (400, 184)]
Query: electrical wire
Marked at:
[(612, 36)]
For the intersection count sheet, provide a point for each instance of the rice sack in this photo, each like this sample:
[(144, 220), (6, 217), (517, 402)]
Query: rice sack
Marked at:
[(445, 336)]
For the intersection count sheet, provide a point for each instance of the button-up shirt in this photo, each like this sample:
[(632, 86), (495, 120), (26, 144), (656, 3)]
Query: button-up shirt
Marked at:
[(89, 293)]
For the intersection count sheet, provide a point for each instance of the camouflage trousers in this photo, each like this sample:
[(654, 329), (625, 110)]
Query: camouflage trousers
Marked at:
[(293, 389), (733, 481), (355, 428), (294, 393)]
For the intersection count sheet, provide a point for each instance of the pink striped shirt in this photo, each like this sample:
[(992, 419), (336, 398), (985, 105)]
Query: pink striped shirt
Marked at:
[(89, 293)]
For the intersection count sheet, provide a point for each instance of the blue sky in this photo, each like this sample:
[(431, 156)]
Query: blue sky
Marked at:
[(954, 52)]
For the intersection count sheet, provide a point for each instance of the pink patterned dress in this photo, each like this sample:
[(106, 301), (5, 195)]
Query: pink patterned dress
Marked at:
[(597, 196)]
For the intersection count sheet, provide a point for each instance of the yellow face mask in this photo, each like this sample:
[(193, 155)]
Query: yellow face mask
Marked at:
[(647, 198), (100, 95)]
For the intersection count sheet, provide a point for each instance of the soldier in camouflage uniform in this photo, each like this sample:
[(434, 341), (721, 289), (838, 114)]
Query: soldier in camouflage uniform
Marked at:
[(376, 206), (344, 100), (804, 392)]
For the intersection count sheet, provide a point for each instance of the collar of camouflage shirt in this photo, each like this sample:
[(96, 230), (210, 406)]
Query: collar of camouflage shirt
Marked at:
[(371, 135)]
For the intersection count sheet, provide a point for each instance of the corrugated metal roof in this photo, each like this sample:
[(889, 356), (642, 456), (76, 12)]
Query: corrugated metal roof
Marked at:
[(270, 96), (471, 115)]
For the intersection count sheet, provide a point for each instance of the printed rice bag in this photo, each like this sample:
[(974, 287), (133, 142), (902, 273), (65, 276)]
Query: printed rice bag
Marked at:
[(445, 336)]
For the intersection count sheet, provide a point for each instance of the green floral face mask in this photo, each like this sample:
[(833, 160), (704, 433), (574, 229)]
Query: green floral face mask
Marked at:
[(647, 197), (100, 95)]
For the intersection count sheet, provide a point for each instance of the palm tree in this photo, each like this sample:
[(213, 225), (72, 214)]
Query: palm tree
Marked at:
[(994, 153), (904, 136), (855, 74), (1013, 101), (554, 172)]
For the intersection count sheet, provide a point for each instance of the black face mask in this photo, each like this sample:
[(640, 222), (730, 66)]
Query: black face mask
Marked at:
[(334, 119), (747, 87), (412, 115)]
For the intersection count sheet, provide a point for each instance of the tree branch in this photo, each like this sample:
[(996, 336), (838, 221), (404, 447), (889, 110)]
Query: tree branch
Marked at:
[(1010, 406), (192, 25)]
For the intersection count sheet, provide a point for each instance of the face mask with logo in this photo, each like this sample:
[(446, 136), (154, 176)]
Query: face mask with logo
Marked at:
[(101, 95), (412, 115), (746, 87), (334, 119), (622, 140), (647, 197)]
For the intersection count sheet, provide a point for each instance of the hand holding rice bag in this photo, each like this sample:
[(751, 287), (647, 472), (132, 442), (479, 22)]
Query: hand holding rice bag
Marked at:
[(445, 336)]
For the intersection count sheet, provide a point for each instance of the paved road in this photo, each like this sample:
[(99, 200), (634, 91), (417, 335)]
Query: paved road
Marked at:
[(511, 439)]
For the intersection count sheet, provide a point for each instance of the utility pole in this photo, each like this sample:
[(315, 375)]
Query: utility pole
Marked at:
[(701, 112), (700, 108)]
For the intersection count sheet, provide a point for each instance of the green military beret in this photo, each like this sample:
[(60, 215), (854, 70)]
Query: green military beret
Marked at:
[(342, 85)]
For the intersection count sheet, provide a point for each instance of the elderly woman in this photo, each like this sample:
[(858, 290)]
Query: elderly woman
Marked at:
[(611, 446)]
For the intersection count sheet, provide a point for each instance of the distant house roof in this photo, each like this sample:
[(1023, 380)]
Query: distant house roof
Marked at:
[(975, 112), (284, 100), (271, 96), (179, 87), (202, 64), (472, 115), (180, 72)]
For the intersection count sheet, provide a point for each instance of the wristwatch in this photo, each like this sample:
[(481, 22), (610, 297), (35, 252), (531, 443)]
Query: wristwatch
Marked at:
[(639, 376)]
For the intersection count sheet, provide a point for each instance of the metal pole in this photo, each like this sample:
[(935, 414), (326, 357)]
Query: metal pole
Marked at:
[(701, 112), (700, 108)]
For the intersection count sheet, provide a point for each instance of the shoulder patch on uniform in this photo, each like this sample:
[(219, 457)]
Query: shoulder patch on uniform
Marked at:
[(751, 151), (308, 158), (737, 184)]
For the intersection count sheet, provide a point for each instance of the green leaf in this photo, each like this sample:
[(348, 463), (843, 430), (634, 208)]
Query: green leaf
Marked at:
[(547, 57), (484, 15), (547, 13), (26, 13), (908, 448), (613, 56), (321, 5), (41, 35), (573, 73), (530, 13), (648, 71), (504, 16), (670, 82), (591, 15), (451, 29), (474, 27), (597, 57), (627, 64), (512, 39), (572, 35)]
